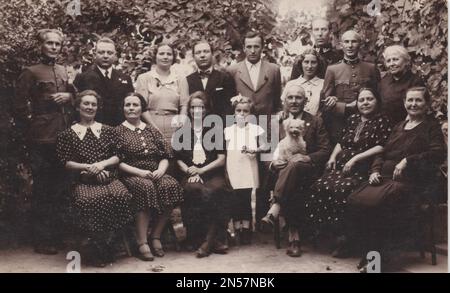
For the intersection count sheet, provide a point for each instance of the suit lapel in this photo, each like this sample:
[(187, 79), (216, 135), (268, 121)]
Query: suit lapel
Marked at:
[(245, 76), (262, 78), (309, 127)]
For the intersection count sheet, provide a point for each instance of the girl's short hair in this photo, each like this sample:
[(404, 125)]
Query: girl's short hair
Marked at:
[(201, 95), (84, 93), (422, 89), (162, 44), (144, 103), (239, 99)]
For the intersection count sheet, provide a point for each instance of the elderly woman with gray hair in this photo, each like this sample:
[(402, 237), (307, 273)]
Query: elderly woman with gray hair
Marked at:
[(396, 81)]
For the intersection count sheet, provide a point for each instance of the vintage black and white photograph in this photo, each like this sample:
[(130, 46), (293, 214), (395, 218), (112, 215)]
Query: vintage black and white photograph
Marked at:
[(223, 136)]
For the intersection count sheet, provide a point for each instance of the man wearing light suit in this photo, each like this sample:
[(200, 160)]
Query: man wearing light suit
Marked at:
[(260, 81)]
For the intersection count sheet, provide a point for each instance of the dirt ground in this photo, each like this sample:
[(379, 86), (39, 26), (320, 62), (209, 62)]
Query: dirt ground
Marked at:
[(260, 257)]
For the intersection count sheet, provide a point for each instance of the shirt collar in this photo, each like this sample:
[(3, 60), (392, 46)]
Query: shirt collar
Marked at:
[(80, 130), (249, 65), (102, 70), (131, 127), (314, 81), (300, 116), (208, 71)]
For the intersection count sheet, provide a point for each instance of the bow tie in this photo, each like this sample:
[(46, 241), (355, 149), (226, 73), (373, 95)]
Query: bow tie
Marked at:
[(204, 74)]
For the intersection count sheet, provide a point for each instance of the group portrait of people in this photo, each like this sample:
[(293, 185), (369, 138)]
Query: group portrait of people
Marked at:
[(356, 152)]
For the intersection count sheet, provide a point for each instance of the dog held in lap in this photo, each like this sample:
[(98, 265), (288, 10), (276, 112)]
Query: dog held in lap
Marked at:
[(293, 143)]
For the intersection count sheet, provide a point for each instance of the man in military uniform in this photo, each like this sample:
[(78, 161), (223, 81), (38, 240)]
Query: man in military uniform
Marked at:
[(342, 84), (42, 104), (322, 44)]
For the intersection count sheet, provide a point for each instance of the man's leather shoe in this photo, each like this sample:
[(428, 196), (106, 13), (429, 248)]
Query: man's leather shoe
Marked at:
[(294, 249)]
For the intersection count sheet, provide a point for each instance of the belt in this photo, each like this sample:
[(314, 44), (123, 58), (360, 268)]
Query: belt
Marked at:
[(163, 112)]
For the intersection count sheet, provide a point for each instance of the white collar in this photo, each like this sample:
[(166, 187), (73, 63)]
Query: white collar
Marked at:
[(300, 116), (102, 70), (313, 81), (170, 79), (80, 130), (249, 65), (132, 127)]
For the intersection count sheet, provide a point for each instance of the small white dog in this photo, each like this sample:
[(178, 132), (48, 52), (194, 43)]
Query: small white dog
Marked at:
[(293, 143)]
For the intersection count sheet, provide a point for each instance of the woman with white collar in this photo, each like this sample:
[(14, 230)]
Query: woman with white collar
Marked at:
[(145, 156), (165, 92), (100, 200), (311, 65)]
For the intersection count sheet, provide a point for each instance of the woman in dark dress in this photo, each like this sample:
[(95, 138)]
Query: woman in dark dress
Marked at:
[(207, 194), (397, 80), (348, 166), (398, 176), (145, 156), (100, 201)]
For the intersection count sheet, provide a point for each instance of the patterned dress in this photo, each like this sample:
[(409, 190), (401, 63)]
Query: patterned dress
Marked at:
[(329, 193), (144, 147), (98, 207)]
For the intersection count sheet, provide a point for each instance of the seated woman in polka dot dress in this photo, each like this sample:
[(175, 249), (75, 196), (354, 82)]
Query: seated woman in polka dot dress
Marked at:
[(145, 158), (100, 201), (363, 138)]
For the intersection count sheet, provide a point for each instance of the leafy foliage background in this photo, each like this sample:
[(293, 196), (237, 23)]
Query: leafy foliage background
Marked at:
[(421, 26)]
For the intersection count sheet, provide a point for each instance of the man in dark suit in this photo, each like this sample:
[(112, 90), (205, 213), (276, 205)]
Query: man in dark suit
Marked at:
[(296, 175), (322, 44), (260, 81), (111, 84), (218, 85), (342, 84)]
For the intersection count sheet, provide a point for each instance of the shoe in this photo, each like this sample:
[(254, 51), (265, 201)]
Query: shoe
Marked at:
[(267, 223), (144, 252), (45, 249), (219, 248), (157, 251), (294, 249), (203, 251)]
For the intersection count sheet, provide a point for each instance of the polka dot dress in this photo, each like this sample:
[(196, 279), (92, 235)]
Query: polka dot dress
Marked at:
[(99, 207), (144, 149), (329, 193)]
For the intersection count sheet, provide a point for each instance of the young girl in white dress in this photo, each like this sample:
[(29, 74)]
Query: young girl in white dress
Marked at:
[(242, 140)]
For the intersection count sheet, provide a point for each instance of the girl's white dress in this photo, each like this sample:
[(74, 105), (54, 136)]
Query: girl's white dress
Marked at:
[(242, 168)]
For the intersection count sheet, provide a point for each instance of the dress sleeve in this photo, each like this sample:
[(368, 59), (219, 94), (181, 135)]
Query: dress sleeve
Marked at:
[(142, 88), (163, 145), (434, 153), (184, 93), (64, 147)]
